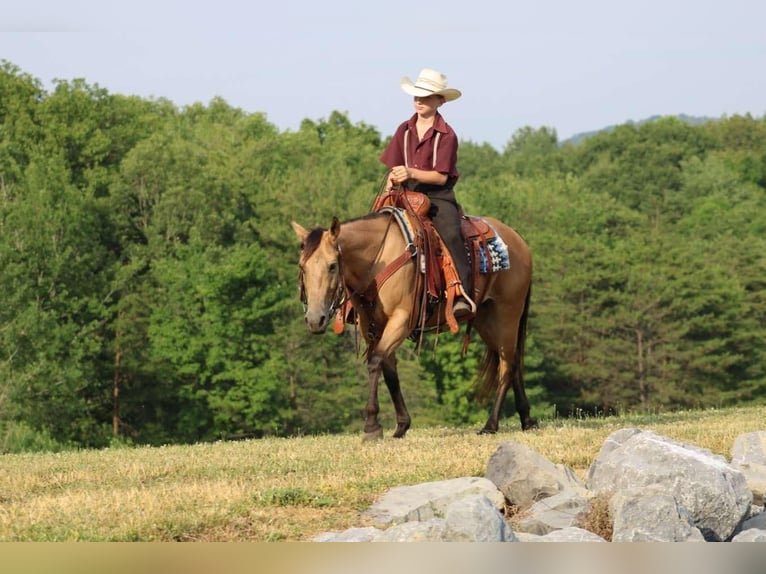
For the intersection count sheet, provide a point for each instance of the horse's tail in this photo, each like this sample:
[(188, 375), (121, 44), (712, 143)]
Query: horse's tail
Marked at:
[(487, 383), (487, 375), (521, 341)]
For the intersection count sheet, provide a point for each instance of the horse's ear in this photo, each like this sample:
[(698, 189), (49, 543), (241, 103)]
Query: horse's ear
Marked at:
[(335, 228), (300, 231)]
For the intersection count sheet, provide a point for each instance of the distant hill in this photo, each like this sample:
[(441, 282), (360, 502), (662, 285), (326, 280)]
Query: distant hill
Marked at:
[(691, 120)]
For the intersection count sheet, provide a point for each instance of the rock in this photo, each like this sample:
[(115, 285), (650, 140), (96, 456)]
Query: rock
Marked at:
[(527, 537), (714, 493), (750, 535), (570, 534), (757, 521), (748, 454), (650, 516), (351, 535), (432, 530), (658, 489), (428, 500), (556, 512), (525, 476), (475, 519)]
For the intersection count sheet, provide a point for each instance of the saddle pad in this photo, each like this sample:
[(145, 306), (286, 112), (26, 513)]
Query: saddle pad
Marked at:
[(403, 219), (498, 259)]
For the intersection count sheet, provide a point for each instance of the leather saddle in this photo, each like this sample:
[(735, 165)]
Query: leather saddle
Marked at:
[(441, 282)]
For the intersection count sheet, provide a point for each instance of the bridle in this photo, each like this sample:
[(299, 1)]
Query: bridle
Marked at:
[(339, 296)]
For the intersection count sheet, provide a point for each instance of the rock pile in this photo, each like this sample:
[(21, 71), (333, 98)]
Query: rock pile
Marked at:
[(654, 489)]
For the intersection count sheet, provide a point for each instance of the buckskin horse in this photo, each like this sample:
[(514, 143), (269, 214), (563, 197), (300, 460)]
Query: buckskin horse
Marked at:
[(368, 261)]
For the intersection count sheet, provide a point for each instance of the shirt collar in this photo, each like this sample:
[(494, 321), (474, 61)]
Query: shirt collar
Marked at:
[(439, 124)]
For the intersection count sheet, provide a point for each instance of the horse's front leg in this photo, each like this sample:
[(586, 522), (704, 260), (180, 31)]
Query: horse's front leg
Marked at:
[(391, 376), (372, 428), (382, 359)]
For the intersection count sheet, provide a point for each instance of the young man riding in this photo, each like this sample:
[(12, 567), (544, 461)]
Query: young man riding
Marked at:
[(422, 156)]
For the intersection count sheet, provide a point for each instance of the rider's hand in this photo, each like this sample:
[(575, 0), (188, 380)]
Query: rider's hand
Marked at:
[(399, 174)]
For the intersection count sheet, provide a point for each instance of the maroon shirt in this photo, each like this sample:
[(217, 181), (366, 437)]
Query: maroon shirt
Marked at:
[(420, 154)]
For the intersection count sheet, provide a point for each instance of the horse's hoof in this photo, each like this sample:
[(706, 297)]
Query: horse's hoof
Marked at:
[(373, 436), (401, 430), (486, 430), (530, 424)]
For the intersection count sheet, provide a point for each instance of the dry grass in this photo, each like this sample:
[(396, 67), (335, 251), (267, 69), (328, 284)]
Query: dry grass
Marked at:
[(598, 519), (286, 489)]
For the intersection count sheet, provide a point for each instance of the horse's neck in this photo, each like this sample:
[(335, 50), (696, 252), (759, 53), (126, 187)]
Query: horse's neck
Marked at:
[(366, 245), (362, 238)]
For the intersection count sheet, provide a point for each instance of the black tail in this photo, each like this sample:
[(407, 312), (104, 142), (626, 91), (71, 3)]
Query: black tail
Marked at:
[(521, 340)]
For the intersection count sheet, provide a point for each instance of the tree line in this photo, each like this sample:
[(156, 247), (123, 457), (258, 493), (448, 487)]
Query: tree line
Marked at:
[(149, 270)]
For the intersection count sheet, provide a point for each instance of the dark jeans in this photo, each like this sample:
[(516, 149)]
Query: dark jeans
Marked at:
[(446, 218)]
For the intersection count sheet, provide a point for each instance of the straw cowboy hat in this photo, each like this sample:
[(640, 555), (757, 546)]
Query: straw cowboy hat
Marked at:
[(429, 83)]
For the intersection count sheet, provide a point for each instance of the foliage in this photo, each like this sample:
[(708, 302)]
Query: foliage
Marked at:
[(149, 269)]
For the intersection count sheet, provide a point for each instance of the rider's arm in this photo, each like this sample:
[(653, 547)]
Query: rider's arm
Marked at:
[(400, 174)]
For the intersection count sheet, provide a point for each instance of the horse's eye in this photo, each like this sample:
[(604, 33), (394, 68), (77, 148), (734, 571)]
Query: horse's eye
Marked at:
[(333, 267)]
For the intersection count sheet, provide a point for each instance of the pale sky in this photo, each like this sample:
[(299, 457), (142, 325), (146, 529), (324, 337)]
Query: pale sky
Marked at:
[(571, 65)]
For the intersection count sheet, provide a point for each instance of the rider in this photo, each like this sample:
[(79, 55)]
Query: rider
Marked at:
[(422, 156)]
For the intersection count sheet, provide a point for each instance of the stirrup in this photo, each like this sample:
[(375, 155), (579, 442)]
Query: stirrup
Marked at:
[(461, 308)]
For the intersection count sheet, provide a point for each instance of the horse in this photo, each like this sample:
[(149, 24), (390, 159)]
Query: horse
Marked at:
[(346, 260)]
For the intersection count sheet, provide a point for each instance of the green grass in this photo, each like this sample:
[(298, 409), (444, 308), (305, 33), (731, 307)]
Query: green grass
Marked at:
[(288, 489)]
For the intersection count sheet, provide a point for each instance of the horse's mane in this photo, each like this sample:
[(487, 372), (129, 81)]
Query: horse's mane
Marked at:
[(311, 243)]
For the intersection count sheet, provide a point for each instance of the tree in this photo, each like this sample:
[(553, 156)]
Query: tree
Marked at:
[(533, 152), (55, 272)]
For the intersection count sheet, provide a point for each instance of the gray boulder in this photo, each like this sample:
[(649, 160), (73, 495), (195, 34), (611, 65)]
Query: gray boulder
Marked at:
[(650, 516), (714, 493), (748, 454), (569, 534), (750, 535), (556, 512), (475, 519), (351, 535), (524, 476), (428, 500), (470, 519), (432, 530), (757, 521)]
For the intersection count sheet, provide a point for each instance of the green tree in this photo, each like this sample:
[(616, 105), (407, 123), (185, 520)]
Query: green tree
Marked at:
[(56, 274), (533, 152)]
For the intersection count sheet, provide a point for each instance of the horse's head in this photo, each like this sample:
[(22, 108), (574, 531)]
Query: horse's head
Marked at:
[(321, 274)]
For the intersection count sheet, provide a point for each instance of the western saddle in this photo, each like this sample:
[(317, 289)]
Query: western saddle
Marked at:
[(438, 283)]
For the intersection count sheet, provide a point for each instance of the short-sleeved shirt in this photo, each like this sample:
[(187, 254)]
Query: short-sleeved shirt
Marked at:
[(420, 154)]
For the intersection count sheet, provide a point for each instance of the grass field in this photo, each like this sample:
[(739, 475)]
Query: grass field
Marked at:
[(288, 489)]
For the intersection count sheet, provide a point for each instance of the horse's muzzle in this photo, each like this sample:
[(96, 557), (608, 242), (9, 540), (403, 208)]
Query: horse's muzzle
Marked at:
[(317, 322)]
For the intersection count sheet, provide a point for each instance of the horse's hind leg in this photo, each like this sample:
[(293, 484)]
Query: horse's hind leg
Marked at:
[(499, 370), (507, 377), (520, 397), (391, 377)]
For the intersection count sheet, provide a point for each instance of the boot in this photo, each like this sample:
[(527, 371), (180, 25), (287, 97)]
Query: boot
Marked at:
[(461, 308)]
